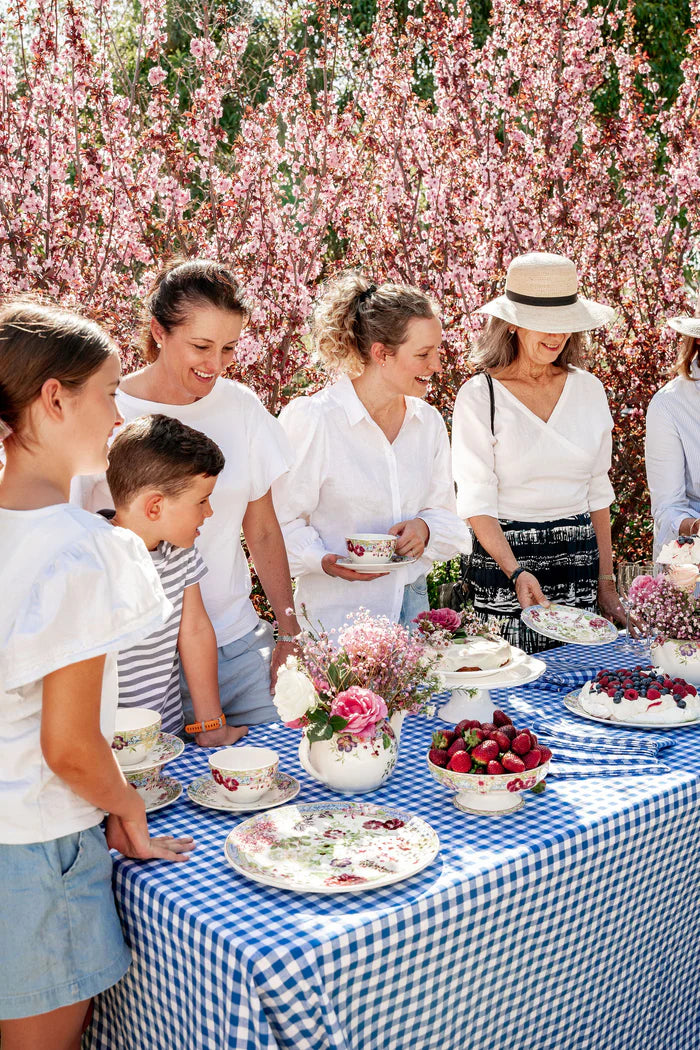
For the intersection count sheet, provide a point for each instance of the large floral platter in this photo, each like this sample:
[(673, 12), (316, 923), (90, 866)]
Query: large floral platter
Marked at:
[(567, 624), (343, 847), (573, 704)]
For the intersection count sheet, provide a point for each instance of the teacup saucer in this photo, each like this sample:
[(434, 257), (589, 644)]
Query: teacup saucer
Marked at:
[(166, 748), (203, 791), (376, 566), (160, 793)]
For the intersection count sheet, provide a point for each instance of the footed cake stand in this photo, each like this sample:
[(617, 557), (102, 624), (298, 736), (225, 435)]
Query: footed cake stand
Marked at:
[(471, 690)]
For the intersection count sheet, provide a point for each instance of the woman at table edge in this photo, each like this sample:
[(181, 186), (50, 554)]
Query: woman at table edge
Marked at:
[(530, 518), (192, 321), (371, 456), (672, 447)]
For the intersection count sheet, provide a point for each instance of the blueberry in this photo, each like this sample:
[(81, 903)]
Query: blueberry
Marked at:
[(665, 691), (680, 703), (617, 699)]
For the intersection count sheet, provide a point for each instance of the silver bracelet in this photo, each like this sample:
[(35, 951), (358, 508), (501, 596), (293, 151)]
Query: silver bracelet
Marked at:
[(287, 638), (607, 576)]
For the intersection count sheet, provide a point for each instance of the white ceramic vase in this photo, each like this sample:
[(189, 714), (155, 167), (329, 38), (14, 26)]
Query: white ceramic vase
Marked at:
[(679, 658), (349, 764)]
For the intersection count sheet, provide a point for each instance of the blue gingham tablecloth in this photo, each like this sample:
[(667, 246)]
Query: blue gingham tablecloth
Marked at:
[(572, 923)]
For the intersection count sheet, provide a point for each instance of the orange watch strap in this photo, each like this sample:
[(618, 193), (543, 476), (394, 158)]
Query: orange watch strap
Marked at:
[(204, 727)]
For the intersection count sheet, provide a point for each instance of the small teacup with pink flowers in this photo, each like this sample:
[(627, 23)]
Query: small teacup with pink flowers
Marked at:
[(244, 774), (369, 547), (136, 730)]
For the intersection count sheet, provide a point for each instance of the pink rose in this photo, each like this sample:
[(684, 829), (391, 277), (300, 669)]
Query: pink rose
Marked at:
[(643, 588), (361, 708), (447, 619)]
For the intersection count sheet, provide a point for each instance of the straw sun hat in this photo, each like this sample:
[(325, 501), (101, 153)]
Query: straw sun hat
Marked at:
[(542, 295), (686, 326)]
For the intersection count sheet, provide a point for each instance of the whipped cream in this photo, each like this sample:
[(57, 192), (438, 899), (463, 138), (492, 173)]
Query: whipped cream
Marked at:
[(480, 652), (660, 710)]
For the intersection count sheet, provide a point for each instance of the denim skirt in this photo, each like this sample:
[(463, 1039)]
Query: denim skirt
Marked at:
[(60, 937)]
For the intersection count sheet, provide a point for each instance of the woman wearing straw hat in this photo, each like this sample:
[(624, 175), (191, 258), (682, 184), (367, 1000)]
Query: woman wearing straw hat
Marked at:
[(673, 443), (531, 452)]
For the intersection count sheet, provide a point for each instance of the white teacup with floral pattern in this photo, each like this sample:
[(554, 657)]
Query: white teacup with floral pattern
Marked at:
[(370, 547), (244, 774), (136, 731)]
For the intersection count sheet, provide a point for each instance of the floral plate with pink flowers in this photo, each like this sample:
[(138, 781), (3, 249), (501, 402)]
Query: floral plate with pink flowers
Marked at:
[(394, 565), (568, 624), (160, 792), (342, 847)]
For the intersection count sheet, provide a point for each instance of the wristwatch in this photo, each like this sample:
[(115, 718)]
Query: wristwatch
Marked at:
[(204, 727), (514, 575)]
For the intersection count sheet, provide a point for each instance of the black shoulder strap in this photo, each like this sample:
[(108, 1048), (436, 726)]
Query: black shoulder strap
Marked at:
[(492, 399)]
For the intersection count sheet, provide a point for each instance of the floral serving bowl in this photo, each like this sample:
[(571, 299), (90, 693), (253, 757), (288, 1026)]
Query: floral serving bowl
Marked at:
[(136, 730), (488, 795), (244, 774), (371, 547), (679, 658)]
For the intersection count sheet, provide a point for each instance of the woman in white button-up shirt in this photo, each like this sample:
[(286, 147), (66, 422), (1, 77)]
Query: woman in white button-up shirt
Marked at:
[(673, 443), (370, 455), (531, 452)]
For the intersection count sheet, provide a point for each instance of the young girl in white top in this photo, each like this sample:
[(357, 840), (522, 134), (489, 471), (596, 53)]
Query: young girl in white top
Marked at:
[(370, 455), (531, 452), (75, 591)]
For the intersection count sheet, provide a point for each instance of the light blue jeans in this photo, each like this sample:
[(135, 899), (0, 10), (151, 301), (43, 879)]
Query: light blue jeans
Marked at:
[(415, 600)]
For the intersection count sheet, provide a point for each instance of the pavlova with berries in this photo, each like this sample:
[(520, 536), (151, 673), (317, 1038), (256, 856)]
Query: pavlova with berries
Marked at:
[(640, 694)]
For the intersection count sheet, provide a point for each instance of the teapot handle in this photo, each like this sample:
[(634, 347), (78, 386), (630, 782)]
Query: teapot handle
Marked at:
[(305, 757)]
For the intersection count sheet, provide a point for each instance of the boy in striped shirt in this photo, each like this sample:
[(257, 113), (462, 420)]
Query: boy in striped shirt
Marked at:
[(161, 474)]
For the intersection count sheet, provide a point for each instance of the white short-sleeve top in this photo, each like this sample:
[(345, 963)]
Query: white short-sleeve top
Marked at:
[(73, 587), (256, 453), (348, 478), (529, 470)]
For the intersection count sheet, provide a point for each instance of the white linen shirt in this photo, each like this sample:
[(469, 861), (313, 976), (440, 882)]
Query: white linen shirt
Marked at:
[(74, 587), (256, 453), (348, 478), (673, 455), (532, 470)]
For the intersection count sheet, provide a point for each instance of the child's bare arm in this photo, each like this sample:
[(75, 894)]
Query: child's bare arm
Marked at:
[(196, 645), (76, 751)]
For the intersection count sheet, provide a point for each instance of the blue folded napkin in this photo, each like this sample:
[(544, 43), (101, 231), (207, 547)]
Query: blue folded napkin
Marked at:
[(575, 665), (580, 750)]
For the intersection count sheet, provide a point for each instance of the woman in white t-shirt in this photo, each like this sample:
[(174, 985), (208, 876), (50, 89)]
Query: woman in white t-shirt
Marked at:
[(532, 440), (75, 592), (370, 455), (193, 320)]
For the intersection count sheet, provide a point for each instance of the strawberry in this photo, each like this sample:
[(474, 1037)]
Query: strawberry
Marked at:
[(460, 763), (438, 757), (471, 739), (485, 751), (488, 727), (494, 768), (501, 739), (521, 744), (440, 740), (533, 758), (545, 754), (466, 723), (479, 733), (457, 745), (539, 787), (533, 738), (510, 730), (500, 718), (512, 763)]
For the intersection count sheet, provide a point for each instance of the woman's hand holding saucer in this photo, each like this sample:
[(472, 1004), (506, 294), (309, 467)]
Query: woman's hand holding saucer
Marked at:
[(413, 536), (329, 566), (528, 591)]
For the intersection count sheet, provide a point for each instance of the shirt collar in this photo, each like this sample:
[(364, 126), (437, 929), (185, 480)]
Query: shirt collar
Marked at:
[(344, 393)]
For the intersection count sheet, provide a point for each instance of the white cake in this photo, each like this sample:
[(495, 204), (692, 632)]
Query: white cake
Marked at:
[(675, 553), (634, 705), (479, 653)]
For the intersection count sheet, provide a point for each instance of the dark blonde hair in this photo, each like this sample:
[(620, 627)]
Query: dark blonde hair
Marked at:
[(688, 354), (180, 286), (497, 347), (40, 342), (159, 452), (353, 313)]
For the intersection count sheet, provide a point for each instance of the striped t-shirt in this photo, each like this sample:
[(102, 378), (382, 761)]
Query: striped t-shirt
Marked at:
[(149, 673)]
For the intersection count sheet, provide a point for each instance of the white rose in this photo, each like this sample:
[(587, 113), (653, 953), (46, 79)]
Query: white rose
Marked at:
[(683, 576), (294, 691)]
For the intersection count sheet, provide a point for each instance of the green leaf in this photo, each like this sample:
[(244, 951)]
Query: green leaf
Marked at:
[(386, 740), (337, 723), (320, 732)]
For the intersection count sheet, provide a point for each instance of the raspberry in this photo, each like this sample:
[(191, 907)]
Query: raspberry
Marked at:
[(460, 763), (494, 768), (513, 763), (438, 757), (485, 751), (631, 694), (500, 718), (521, 744), (653, 694), (457, 745)]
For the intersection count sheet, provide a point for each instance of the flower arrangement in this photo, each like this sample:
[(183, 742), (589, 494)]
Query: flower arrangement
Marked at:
[(375, 669), (669, 610), (443, 627)]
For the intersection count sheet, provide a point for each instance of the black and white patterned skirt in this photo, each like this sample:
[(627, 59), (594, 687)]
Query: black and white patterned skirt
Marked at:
[(562, 554)]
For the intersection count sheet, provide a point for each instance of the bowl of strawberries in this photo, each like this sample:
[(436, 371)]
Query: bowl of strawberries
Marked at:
[(488, 764)]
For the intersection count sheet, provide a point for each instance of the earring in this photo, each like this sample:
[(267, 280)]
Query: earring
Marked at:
[(512, 331), (158, 346)]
